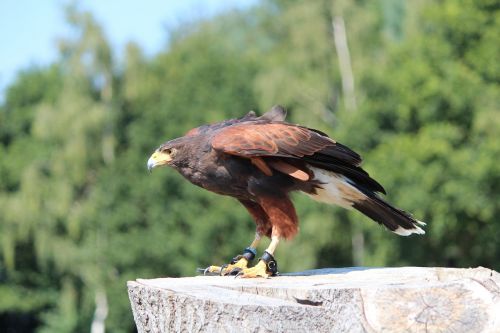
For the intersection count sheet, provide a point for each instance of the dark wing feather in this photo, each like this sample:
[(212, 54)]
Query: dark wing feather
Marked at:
[(359, 176), (277, 113), (212, 127)]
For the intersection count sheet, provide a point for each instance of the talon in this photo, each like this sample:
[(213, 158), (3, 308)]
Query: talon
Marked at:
[(210, 270), (226, 269), (238, 263), (266, 267), (223, 269), (242, 263), (259, 270), (235, 271)]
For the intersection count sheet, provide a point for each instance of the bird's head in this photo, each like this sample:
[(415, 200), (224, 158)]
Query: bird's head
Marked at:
[(166, 154)]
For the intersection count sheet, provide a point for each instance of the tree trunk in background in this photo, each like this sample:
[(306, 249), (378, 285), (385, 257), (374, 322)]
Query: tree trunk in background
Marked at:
[(100, 314), (340, 39)]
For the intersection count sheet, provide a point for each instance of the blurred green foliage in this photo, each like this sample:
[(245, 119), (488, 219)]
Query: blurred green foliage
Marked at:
[(81, 216)]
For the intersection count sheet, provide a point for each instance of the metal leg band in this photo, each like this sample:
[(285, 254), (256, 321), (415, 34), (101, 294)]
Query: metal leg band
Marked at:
[(249, 254), (271, 264)]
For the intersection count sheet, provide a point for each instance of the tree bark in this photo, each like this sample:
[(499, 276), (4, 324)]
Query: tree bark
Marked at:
[(409, 299)]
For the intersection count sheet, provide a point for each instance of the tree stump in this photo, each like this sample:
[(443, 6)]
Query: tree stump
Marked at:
[(360, 299)]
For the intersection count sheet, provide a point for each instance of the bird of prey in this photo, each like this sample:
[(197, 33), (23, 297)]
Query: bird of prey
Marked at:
[(259, 161)]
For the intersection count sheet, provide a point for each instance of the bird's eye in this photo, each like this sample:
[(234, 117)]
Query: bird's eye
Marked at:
[(167, 151)]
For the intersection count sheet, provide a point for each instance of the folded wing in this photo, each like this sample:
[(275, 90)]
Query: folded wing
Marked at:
[(263, 143)]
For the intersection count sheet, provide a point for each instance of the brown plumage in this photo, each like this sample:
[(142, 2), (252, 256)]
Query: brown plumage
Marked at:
[(260, 160)]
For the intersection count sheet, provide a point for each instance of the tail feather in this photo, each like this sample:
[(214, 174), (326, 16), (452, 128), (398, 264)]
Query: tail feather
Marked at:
[(394, 219), (335, 188), (352, 172)]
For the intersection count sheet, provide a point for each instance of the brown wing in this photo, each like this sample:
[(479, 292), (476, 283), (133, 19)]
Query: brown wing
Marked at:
[(272, 139), (281, 140), (275, 146)]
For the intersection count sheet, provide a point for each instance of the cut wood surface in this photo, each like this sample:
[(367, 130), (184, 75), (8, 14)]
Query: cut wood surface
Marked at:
[(405, 299)]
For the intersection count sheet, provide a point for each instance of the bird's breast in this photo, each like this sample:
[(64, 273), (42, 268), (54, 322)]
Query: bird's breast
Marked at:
[(220, 175)]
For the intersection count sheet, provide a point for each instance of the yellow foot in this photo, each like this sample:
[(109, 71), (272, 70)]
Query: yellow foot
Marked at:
[(229, 269), (259, 270)]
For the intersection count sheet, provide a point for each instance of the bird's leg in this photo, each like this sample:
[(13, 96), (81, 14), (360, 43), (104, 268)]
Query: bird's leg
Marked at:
[(267, 265), (239, 262)]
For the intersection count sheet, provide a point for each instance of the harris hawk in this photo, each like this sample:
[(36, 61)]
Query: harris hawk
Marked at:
[(259, 161)]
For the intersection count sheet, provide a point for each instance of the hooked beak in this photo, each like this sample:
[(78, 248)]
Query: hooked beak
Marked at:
[(158, 159)]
